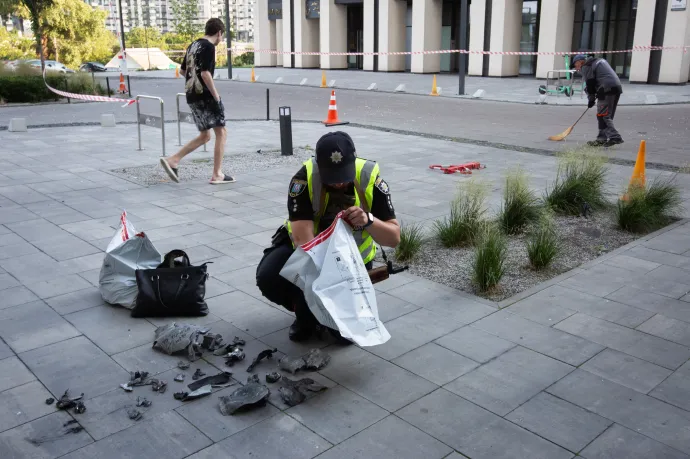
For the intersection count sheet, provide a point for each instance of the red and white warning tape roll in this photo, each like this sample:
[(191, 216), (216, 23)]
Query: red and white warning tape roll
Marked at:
[(464, 51), (72, 95)]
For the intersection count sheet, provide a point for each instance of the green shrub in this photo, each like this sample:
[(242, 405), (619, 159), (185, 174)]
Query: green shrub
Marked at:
[(650, 207), (542, 243), (580, 179), (26, 85), (411, 240), (520, 205), (489, 259), (466, 217)]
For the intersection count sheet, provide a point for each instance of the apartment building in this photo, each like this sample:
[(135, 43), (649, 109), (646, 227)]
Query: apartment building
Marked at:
[(492, 25)]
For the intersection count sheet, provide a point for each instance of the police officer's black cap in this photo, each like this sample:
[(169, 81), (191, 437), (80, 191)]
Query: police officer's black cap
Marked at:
[(335, 156)]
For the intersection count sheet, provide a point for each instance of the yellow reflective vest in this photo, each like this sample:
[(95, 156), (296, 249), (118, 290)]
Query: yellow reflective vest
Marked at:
[(367, 171)]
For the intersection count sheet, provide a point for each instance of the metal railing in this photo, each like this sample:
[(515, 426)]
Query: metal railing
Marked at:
[(151, 120), (182, 117)]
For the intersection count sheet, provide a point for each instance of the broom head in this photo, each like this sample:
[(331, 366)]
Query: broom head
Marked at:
[(562, 135)]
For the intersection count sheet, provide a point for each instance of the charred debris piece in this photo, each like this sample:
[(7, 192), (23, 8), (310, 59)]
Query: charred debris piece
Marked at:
[(66, 402), (247, 397), (265, 354), (79, 408), (219, 380), (187, 396), (228, 348), (134, 414), (253, 379), (143, 401), (198, 374), (314, 360), (136, 379), (180, 377), (50, 401), (295, 392), (273, 377), (182, 365), (159, 386), (176, 338), (68, 428), (235, 356)]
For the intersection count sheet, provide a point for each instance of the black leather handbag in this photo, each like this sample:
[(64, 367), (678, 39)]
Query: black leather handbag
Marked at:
[(173, 289)]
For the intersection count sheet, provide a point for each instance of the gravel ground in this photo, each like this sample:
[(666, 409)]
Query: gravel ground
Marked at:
[(582, 240), (196, 169)]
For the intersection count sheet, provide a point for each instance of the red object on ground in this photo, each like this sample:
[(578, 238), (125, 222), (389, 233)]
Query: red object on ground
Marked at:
[(460, 168)]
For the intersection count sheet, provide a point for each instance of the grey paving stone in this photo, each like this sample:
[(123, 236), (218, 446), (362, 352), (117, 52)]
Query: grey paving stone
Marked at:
[(215, 287), (389, 438), (375, 379), (571, 301), (667, 328), (16, 296), (210, 236), (76, 301), (600, 280), (561, 422), (5, 350), (394, 282), (7, 281), (670, 307), (19, 249), (10, 238), (32, 268), (37, 230), (148, 359), (239, 249), (435, 363), (665, 258), (90, 230), (58, 286), (32, 325), (282, 342), (442, 300), (676, 389), (22, 194), (641, 413), (510, 380), (107, 413), (81, 264), (278, 436), (13, 373), (619, 442), (14, 444), (16, 214), (413, 330), (391, 307), (337, 414), (91, 276), (554, 343), (475, 344), (633, 342), (631, 263), (241, 277), (87, 369), (112, 328), (201, 320), (475, 432), (248, 314), (23, 404), (164, 435), (676, 241), (541, 310), (626, 370), (65, 247)]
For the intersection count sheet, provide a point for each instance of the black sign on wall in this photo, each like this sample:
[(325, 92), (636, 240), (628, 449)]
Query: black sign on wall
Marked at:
[(275, 10), (313, 9)]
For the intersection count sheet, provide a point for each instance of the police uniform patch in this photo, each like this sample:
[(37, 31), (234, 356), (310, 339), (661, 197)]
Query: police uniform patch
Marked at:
[(382, 185), (297, 187)]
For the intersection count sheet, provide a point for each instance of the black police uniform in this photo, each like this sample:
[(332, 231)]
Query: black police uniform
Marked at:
[(276, 288)]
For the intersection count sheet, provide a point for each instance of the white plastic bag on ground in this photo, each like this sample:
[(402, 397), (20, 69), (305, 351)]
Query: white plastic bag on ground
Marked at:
[(127, 252), (336, 285)]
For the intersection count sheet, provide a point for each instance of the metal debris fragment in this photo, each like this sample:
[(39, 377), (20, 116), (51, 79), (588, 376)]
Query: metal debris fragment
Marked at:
[(159, 386), (265, 354), (221, 379), (246, 397), (66, 431), (127, 387), (134, 414), (174, 338), (65, 402), (143, 401), (179, 377), (186, 396), (273, 377), (198, 374), (253, 379), (80, 408), (183, 365), (235, 356), (315, 359), (295, 392), (50, 401), (227, 348)]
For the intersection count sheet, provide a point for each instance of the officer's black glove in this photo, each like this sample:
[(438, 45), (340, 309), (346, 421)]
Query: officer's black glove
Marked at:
[(591, 102)]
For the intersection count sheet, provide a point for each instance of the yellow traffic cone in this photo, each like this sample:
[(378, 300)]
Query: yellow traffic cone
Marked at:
[(177, 72), (253, 78), (637, 180), (323, 79), (434, 90)]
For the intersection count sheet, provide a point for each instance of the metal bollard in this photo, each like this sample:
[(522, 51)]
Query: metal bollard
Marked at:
[(182, 117), (150, 120), (268, 109), (285, 131)]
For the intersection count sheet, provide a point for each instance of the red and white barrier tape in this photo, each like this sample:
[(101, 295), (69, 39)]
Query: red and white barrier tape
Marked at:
[(71, 95), (464, 51)]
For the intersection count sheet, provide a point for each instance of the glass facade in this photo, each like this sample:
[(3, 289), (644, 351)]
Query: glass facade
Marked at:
[(529, 37)]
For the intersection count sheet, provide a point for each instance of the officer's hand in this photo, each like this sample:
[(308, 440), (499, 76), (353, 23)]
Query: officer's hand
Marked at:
[(355, 216), (591, 102)]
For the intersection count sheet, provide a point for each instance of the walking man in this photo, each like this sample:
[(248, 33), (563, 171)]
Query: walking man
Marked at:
[(603, 89), (204, 102)]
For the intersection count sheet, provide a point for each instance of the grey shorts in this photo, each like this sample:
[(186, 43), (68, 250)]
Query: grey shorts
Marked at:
[(208, 114)]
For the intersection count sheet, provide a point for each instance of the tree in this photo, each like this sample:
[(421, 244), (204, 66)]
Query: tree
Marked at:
[(35, 10), (185, 18), (12, 46), (144, 37)]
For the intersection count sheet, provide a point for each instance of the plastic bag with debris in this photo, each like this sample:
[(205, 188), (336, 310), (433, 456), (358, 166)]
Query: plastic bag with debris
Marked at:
[(127, 252), (336, 285)]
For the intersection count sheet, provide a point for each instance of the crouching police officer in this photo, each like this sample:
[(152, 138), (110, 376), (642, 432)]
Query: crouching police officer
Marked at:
[(335, 180)]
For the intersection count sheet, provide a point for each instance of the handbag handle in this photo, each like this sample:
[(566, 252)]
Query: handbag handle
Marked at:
[(169, 260), (180, 286)]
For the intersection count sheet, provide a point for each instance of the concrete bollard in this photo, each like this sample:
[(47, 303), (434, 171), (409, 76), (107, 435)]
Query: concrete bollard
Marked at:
[(400, 88), (279, 80), (541, 100), (650, 99), (303, 82), (479, 93), (18, 125), (236, 77), (372, 87), (331, 84), (107, 120)]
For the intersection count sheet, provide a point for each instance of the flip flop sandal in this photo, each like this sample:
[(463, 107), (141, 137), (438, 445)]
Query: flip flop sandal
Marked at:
[(226, 179), (171, 171)]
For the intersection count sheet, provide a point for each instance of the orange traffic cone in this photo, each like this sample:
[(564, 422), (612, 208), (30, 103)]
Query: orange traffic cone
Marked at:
[(637, 180), (323, 79), (177, 72), (332, 118), (253, 78), (123, 88), (434, 89)]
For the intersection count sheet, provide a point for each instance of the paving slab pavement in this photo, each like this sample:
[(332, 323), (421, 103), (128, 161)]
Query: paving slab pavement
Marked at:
[(605, 377)]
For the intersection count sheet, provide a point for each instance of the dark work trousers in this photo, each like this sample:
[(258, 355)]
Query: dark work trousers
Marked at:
[(279, 290), (606, 109)]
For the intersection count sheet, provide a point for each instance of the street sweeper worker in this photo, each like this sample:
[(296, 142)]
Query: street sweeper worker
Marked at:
[(334, 180), (603, 89)]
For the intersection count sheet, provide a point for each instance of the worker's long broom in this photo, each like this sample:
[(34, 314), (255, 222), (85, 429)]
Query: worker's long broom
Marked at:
[(567, 132)]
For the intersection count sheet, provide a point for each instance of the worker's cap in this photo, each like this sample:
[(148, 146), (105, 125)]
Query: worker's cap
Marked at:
[(577, 57), (335, 156)]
